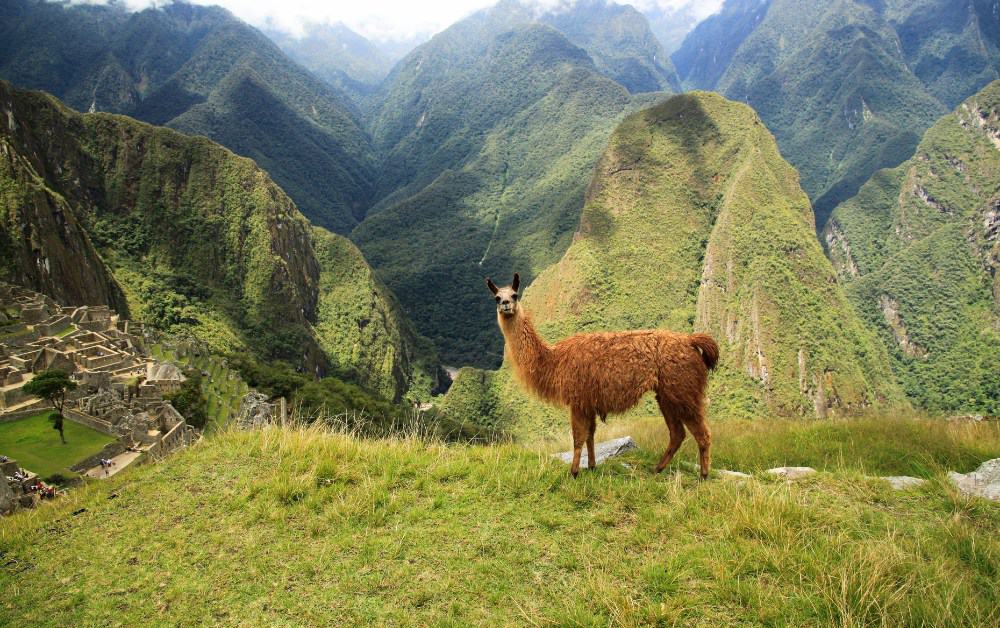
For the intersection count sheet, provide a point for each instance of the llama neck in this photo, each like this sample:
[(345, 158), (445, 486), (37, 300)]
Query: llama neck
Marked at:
[(528, 353)]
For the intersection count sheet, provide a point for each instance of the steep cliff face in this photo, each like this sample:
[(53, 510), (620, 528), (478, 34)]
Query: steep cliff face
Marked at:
[(363, 328), (188, 237), (919, 248), (694, 222), (44, 245)]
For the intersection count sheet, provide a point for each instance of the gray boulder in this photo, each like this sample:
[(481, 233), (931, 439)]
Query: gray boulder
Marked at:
[(983, 482), (602, 451), (792, 473)]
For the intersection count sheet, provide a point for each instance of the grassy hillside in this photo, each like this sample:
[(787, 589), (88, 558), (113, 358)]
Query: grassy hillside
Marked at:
[(491, 131), (292, 526), (202, 71), (846, 86), (184, 235), (919, 248), (694, 222)]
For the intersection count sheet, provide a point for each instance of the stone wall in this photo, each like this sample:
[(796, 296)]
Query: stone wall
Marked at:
[(91, 421)]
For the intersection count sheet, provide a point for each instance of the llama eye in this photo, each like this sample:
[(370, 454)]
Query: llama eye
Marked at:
[(498, 299), (514, 297)]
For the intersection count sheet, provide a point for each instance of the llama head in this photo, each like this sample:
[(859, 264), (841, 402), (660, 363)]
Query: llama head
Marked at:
[(507, 298)]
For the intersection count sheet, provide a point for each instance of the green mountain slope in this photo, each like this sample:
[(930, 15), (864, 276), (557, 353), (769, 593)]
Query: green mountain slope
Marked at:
[(490, 131), (186, 236), (919, 247), (620, 41), (201, 71), (846, 86), (694, 222)]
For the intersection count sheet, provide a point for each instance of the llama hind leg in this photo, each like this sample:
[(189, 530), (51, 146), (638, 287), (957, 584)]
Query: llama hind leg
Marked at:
[(591, 457), (581, 428), (696, 424), (676, 428)]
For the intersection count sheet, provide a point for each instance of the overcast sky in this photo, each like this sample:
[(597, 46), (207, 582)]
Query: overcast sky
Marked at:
[(387, 19)]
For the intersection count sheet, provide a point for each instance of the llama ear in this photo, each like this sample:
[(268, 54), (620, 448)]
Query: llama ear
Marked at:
[(492, 286), (514, 285)]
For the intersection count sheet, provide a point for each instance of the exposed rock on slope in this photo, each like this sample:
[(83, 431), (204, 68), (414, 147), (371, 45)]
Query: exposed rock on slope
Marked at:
[(694, 222), (920, 251)]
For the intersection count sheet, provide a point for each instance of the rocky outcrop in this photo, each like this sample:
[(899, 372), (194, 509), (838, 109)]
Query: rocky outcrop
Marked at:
[(983, 482)]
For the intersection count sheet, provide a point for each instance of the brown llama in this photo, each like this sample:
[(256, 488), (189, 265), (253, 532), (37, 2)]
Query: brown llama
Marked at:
[(597, 374)]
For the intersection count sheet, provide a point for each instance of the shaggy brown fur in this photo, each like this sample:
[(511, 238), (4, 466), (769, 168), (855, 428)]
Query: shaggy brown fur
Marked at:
[(598, 374)]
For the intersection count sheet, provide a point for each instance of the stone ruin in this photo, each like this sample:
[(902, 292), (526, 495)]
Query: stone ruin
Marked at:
[(120, 387), (256, 411)]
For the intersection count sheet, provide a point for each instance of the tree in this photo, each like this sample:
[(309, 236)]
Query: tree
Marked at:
[(190, 401), (52, 384)]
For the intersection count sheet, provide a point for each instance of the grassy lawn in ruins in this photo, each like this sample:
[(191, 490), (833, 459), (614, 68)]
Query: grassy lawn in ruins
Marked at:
[(36, 446), (303, 527)]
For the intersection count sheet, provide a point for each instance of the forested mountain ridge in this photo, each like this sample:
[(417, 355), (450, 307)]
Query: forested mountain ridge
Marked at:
[(694, 222), (489, 133), (846, 86), (201, 71), (919, 248), (182, 234)]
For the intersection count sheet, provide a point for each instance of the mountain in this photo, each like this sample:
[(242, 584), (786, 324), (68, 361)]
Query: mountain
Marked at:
[(182, 234), (620, 41), (490, 132), (919, 248), (847, 86), (334, 51), (201, 71), (694, 222), (338, 56), (671, 23)]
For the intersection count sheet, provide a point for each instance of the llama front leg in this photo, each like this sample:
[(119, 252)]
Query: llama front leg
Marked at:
[(578, 423), (591, 456)]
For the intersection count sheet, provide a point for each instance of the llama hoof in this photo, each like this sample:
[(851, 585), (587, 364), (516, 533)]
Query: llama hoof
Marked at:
[(574, 473), (703, 477)]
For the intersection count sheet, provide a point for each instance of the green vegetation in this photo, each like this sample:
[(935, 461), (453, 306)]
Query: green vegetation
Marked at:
[(190, 399), (619, 40), (694, 222), (918, 246), (846, 87), (201, 71), (36, 447), (331, 529), (363, 330)]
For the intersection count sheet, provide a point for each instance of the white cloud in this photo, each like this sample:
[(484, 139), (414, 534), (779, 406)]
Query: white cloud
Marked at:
[(386, 19)]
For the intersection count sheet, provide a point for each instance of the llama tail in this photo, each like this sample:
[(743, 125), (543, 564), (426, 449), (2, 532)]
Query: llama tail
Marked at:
[(707, 347)]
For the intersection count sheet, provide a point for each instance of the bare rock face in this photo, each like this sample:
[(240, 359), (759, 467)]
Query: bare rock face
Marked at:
[(602, 451), (792, 473), (255, 411), (7, 499), (983, 482), (903, 482)]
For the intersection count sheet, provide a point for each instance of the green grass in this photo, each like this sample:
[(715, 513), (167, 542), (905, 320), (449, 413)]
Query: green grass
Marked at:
[(36, 446), (304, 527)]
